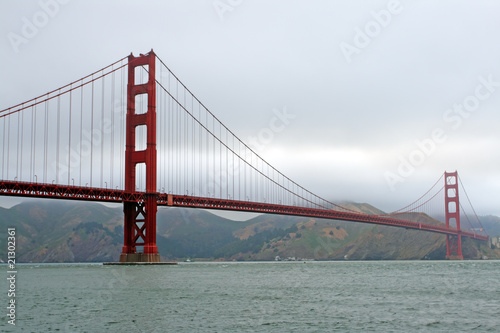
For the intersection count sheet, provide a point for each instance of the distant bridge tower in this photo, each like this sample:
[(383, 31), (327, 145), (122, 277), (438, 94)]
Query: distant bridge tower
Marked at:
[(140, 217), (452, 209)]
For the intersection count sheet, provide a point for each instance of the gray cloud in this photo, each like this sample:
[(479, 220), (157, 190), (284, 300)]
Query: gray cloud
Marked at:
[(353, 120)]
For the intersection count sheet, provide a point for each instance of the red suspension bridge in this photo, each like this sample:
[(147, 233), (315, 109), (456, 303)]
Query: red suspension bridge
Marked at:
[(133, 133)]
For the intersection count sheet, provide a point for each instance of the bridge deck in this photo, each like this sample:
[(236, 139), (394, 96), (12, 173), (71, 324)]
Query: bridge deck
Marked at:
[(41, 190)]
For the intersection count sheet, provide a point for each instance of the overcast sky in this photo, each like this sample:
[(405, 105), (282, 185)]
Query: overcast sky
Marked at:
[(383, 96)]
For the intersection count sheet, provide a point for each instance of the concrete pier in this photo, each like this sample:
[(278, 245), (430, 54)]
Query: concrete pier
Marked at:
[(140, 263)]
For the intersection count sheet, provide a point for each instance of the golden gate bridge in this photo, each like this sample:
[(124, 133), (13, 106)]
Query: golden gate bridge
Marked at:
[(133, 133)]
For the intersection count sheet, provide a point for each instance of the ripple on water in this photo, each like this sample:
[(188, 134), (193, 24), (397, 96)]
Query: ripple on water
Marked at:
[(260, 297)]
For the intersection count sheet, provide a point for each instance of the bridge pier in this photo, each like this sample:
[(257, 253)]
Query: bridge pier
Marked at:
[(140, 222), (454, 247), (140, 217)]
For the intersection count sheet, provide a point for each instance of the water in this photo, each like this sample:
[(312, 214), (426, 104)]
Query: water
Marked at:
[(378, 296)]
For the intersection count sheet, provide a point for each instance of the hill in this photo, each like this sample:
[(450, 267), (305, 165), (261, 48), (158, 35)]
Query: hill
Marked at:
[(67, 231), (491, 224), (63, 231)]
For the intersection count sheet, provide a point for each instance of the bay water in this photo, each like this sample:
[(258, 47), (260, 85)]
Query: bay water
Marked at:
[(343, 296)]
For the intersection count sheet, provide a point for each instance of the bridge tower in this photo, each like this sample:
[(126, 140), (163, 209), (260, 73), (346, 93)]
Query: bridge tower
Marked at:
[(140, 217), (452, 209)]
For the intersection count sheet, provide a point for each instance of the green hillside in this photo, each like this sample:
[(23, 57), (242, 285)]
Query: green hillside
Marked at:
[(71, 231)]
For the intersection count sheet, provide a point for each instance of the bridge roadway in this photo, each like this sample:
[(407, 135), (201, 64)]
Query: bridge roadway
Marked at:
[(55, 191)]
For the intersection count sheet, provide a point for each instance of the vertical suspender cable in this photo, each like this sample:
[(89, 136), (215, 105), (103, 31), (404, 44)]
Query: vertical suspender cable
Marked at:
[(81, 133), (252, 176), (22, 146), (123, 113), (239, 170), (227, 167), (192, 148), (19, 156), (220, 160), (166, 146), (58, 136), (102, 131), (200, 152), (178, 143), (185, 146), (170, 140), (69, 134), (245, 175), (172, 147), (3, 146), (166, 149), (112, 134), (8, 146), (213, 153), (46, 141), (33, 142), (159, 125), (232, 154), (169, 119), (92, 132), (257, 179), (175, 128), (207, 156)]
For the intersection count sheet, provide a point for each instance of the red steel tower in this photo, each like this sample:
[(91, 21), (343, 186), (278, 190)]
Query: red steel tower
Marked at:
[(452, 209), (140, 217)]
